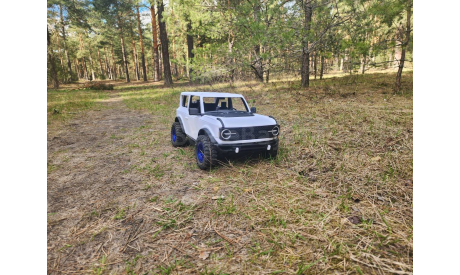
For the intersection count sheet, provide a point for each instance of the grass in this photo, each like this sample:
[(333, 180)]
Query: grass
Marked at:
[(120, 214), (225, 207), (345, 155), (64, 104)]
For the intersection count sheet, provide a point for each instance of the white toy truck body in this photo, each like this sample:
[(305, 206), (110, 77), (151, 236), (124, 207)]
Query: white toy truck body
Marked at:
[(221, 123)]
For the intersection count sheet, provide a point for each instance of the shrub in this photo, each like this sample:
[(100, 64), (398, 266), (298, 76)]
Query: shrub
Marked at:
[(97, 86)]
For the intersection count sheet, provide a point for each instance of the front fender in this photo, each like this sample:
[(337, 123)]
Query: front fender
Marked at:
[(209, 134)]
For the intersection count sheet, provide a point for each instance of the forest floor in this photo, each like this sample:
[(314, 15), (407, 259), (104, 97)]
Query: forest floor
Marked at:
[(338, 199)]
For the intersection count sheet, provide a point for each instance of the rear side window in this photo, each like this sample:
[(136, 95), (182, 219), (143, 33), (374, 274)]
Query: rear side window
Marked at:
[(185, 101)]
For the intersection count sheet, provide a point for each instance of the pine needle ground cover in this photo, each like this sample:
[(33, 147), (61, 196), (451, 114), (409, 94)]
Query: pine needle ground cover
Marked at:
[(338, 199)]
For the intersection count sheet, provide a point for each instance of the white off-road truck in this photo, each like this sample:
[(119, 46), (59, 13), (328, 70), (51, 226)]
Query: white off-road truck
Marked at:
[(222, 123)]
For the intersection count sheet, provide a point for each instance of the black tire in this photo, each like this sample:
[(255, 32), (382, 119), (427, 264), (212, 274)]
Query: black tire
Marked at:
[(178, 137), (208, 157)]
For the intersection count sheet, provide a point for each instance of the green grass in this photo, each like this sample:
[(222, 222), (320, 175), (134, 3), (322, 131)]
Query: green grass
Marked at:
[(64, 104), (120, 214), (225, 206)]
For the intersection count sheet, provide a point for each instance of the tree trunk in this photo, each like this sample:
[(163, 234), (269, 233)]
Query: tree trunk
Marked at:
[(191, 55), (125, 60), (164, 44), (85, 70), (403, 49), (61, 60), (174, 61), (305, 70), (135, 67), (107, 65), (231, 40), (113, 63), (83, 62), (100, 62), (77, 70), (174, 54), (54, 77), (364, 64), (230, 50), (153, 64), (315, 63), (69, 67), (257, 65), (93, 76), (321, 72), (144, 70), (160, 72), (155, 45), (184, 67), (267, 76)]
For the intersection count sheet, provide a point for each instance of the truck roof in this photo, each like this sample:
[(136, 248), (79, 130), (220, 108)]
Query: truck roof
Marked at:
[(211, 94)]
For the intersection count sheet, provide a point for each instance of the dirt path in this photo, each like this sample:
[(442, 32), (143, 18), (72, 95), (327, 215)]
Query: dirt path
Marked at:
[(89, 184)]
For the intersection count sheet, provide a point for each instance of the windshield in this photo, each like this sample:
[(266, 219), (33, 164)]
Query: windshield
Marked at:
[(227, 105)]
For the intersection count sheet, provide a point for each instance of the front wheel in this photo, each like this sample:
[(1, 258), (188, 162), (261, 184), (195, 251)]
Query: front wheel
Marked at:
[(206, 153)]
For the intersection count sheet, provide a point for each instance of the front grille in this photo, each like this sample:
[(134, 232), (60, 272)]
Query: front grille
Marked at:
[(247, 133)]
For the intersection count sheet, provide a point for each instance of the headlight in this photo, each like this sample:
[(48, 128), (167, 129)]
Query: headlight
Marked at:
[(275, 131), (226, 134)]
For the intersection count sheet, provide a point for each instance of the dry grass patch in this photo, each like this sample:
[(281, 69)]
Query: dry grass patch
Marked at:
[(337, 199)]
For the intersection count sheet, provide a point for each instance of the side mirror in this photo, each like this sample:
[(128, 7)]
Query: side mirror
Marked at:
[(194, 111), (253, 110)]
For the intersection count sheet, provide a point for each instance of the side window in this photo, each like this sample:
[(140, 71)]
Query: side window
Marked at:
[(194, 102), (185, 101), (209, 100)]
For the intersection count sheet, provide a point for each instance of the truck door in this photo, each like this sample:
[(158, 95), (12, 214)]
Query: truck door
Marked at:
[(193, 120), (183, 112)]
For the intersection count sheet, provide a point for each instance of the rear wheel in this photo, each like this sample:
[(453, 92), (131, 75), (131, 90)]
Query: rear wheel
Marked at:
[(178, 137), (206, 153)]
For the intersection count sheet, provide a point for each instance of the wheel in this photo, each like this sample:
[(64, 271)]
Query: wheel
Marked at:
[(206, 153), (178, 137)]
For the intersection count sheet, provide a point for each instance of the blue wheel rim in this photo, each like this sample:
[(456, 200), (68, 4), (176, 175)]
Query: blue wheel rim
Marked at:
[(199, 152), (173, 134)]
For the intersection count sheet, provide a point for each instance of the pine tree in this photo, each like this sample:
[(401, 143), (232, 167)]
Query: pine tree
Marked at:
[(164, 44)]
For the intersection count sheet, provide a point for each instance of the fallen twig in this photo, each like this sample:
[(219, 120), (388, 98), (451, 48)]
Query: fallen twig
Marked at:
[(232, 242)]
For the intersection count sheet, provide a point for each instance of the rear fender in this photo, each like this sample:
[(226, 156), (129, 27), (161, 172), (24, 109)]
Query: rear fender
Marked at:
[(178, 119)]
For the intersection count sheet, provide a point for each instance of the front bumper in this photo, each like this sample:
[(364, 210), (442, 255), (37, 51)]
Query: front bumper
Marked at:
[(248, 147)]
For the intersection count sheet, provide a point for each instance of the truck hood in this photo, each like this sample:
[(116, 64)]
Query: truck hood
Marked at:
[(247, 121)]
